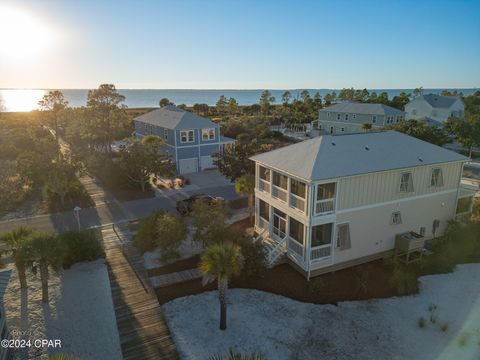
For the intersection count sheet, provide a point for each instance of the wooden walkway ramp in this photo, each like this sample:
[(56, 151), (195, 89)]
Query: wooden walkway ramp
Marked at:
[(175, 278), (143, 331)]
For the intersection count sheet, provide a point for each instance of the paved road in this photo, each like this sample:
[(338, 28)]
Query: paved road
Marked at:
[(108, 212)]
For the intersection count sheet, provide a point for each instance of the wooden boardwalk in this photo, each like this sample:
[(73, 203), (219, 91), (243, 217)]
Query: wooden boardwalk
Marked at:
[(143, 331), (175, 278)]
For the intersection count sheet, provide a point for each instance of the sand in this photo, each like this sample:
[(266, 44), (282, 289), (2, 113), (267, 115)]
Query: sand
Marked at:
[(282, 328)]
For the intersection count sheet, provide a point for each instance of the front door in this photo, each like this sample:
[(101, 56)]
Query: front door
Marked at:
[(279, 225)]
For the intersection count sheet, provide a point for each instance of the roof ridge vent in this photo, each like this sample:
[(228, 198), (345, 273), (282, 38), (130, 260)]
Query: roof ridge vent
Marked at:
[(420, 159), (333, 143), (367, 147)]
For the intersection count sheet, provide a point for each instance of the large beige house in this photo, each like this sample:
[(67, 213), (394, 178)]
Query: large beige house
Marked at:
[(435, 109), (340, 200)]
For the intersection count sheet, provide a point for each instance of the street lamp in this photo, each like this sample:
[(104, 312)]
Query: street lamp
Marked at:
[(76, 213)]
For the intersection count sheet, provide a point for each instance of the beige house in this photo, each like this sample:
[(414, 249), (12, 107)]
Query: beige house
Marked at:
[(339, 200), (435, 109)]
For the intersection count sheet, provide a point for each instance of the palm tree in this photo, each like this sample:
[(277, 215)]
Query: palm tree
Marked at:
[(45, 252), (17, 246), (245, 185), (221, 261)]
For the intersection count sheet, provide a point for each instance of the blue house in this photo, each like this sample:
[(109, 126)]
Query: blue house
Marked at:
[(190, 139)]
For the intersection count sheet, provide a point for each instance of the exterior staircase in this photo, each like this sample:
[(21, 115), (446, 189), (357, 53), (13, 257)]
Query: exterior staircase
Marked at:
[(275, 250)]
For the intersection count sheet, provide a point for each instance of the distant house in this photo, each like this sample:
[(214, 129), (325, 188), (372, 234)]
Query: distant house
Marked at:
[(340, 200), (190, 139), (5, 335), (435, 109), (349, 117)]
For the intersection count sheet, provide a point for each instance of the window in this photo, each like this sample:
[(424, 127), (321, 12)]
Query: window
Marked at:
[(187, 136), (354, 116), (165, 134), (346, 117), (374, 119), (343, 236), (464, 205), (208, 134), (296, 230), (326, 191), (437, 178), (298, 188), (331, 129), (321, 235), (264, 173), (406, 183), (396, 218), (398, 119), (342, 129), (338, 116), (264, 210), (328, 114), (280, 180)]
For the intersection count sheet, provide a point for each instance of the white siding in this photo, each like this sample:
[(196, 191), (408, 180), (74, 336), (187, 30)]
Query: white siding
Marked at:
[(382, 187), (371, 230)]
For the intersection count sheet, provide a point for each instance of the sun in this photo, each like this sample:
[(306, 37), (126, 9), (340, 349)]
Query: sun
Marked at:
[(23, 36)]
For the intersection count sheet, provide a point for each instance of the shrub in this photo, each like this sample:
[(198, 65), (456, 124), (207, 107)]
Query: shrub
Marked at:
[(317, 285), (404, 280), (171, 230), (462, 339), (422, 322), (80, 246), (234, 354), (254, 255), (444, 327), (144, 240)]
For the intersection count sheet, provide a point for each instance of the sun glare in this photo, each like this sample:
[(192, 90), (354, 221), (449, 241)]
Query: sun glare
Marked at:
[(23, 35)]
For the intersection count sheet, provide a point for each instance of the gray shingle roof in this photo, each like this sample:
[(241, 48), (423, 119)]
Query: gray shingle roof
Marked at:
[(171, 117), (438, 101), (351, 107), (332, 156)]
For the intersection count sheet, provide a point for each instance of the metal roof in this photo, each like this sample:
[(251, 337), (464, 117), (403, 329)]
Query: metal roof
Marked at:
[(439, 101), (171, 117), (350, 107), (333, 156)]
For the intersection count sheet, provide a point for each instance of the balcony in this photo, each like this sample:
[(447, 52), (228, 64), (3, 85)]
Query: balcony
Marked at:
[(320, 252), (325, 206), (297, 202), (264, 185), (279, 193), (295, 247)]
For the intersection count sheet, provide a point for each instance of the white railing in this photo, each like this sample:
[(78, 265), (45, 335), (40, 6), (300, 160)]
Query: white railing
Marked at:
[(325, 206), (297, 202), (320, 252), (279, 193), (262, 223), (295, 247), (275, 252), (278, 232), (264, 185)]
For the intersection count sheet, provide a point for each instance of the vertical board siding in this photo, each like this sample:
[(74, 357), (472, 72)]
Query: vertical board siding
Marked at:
[(381, 187)]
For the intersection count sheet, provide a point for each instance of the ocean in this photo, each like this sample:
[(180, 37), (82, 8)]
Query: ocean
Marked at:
[(27, 99)]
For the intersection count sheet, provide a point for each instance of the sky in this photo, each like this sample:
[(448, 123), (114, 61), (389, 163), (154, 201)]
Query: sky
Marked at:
[(233, 44)]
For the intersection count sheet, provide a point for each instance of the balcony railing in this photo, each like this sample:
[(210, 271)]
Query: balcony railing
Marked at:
[(262, 223), (295, 247), (320, 252), (326, 206), (297, 202), (264, 185), (279, 193)]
